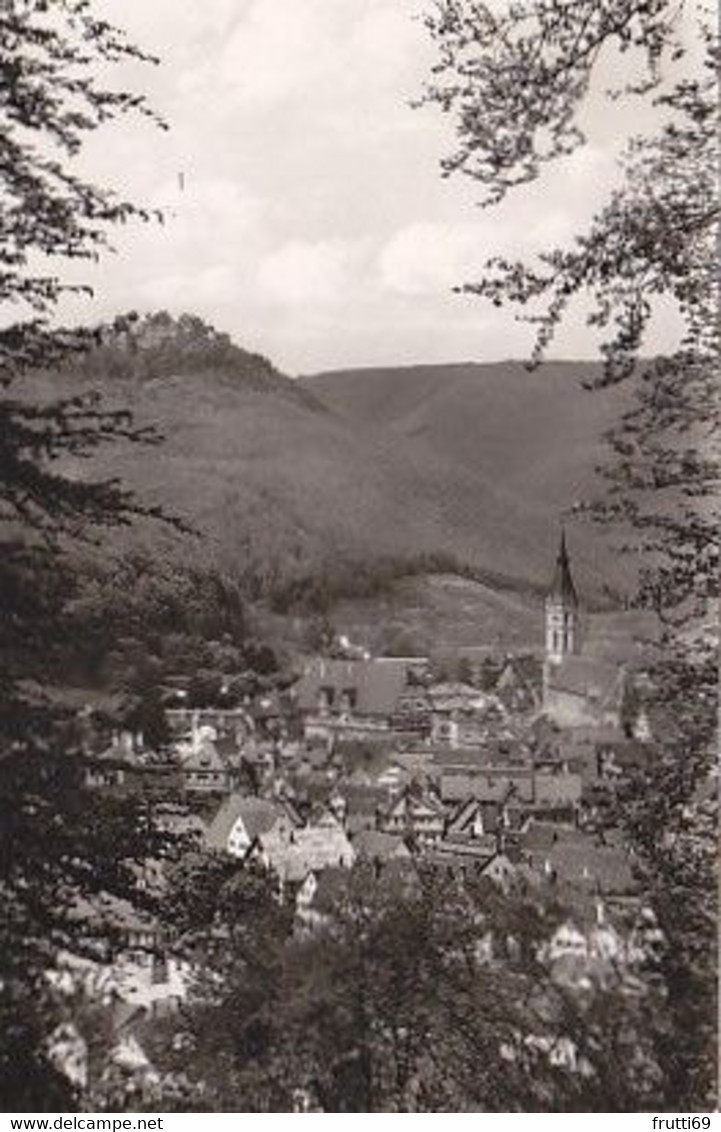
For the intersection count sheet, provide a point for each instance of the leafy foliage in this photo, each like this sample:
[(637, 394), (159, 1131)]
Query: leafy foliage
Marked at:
[(320, 591), (514, 78), (157, 345), (386, 1007), (51, 102), (60, 858)]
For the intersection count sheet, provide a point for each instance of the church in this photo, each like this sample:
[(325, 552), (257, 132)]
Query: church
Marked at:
[(579, 688)]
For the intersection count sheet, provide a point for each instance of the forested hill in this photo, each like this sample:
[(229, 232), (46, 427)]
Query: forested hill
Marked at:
[(537, 436), (534, 441), (279, 476)]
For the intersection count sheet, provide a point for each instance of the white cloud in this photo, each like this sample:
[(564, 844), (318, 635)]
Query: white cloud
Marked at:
[(309, 183), (307, 274), (390, 40), (208, 288), (272, 54), (197, 209), (274, 51), (427, 258), (313, 53), (166, 26)]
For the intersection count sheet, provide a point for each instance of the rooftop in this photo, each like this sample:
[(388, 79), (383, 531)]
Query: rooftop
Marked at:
[(377, 684), (372, 844), (584, 676), (257, 814)]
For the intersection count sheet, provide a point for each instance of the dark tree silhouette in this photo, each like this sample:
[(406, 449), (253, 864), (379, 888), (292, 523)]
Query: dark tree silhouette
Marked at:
[(58, 854), (51, 102), (386, 1008), (513, 78)]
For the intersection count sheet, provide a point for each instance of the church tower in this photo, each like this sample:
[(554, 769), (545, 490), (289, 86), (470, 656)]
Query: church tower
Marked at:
[(562, 616)]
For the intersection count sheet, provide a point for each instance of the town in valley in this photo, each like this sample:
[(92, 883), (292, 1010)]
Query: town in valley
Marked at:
[(353, 773), (358, 557)]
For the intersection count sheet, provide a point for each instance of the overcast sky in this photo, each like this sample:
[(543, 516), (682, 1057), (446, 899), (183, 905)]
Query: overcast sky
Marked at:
[(305, 213)]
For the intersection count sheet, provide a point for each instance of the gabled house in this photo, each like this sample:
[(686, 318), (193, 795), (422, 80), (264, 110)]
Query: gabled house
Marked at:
[(523, 789), (487, 826), (208, 761), (474, 818), (461, 715), (582, 691), (579, 861), (488, 784), (417, 813), (502, 871), (240, 820), (293, 853), (319, 896), (119, 764), (202, 767), (338, 695)]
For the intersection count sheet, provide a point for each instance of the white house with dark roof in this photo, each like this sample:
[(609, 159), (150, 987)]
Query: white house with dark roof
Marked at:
[(293, 853), (415, 812), (240, 820), (319, 896)]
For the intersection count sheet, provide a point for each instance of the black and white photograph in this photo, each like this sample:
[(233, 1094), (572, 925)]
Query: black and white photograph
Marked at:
[(359, 481)]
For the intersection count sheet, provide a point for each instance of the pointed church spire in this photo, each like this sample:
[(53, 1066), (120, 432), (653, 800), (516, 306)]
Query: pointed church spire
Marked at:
[(562, 612), (562, 588)]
